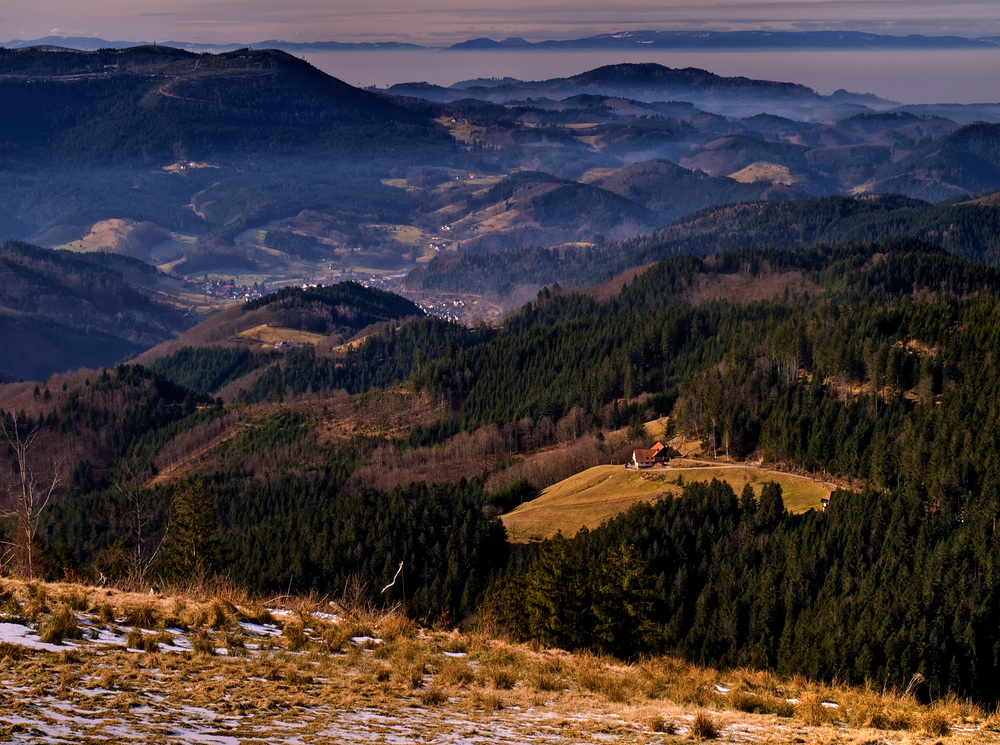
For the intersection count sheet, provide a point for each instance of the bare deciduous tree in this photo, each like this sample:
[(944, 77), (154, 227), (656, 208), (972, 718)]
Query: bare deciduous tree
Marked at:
[(138, 505), (27, 488)]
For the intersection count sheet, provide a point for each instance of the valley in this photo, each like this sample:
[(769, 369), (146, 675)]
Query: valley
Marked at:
[(230, 187), (274, 342)]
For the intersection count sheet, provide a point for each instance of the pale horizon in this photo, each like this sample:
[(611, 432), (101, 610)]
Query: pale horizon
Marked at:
[(445, 22)]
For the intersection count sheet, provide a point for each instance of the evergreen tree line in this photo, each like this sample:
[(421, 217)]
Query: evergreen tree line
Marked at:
[(877, 589)]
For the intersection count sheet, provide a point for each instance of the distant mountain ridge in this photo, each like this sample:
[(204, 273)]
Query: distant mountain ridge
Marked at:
[(631, 40), (651, 82)]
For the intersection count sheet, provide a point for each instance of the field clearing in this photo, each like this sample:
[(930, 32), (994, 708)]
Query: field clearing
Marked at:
[(761, 171), (273, 334), (408, 234), (462, 131), (596, 174), (598, 494)]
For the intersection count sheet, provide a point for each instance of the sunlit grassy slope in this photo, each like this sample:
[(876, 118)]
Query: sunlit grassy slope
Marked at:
[(269, 335), (590, 497)]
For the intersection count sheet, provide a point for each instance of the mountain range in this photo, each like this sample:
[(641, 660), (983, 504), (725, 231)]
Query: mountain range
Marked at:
[(624, 40), (252, 168)]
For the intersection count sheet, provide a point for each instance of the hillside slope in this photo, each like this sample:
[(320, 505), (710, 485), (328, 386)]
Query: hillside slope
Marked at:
[(61, 311)]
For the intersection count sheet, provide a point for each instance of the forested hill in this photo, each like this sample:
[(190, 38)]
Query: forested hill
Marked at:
[(61, 311), (969, 229), (156, 105), (871, 364), (225, 347)]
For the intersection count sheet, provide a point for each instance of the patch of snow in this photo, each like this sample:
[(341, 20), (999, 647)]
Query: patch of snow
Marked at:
[(257, 629), (16, 633)]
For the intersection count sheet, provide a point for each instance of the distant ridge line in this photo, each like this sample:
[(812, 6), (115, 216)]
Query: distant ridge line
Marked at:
[(623, 40)]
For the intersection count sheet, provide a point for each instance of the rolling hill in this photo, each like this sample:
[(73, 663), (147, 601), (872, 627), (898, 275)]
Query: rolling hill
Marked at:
[(61, 311)]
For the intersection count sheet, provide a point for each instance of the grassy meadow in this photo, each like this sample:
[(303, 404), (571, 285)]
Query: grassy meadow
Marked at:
[(591, 497)]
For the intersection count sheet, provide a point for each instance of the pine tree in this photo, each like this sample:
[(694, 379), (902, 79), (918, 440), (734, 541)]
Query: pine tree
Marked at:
[(194, 531), (623, 605), (556, 599)]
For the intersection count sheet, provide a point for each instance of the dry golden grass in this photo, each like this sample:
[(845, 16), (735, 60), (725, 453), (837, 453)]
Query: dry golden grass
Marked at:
[(597, 494), (446, 682), (270, 335), (704, 727)]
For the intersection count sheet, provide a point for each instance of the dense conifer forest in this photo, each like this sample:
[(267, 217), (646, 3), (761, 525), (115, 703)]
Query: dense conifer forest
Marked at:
[(871, 363)]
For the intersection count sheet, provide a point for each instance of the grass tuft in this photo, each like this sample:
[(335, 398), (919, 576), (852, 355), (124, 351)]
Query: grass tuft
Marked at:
[(105, 612), (142, 615), (488, 700), (456, 672), (37, 605), (295, 636), (811, 711), (433, 696), (222, 614), (396, 626), (203, 643), (659, 724), (503, 678), (704, 728), (934, 723), (13, 652), (60, 625), (10, 609)]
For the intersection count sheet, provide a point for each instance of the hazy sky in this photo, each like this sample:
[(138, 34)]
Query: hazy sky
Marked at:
[(447, 21)]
